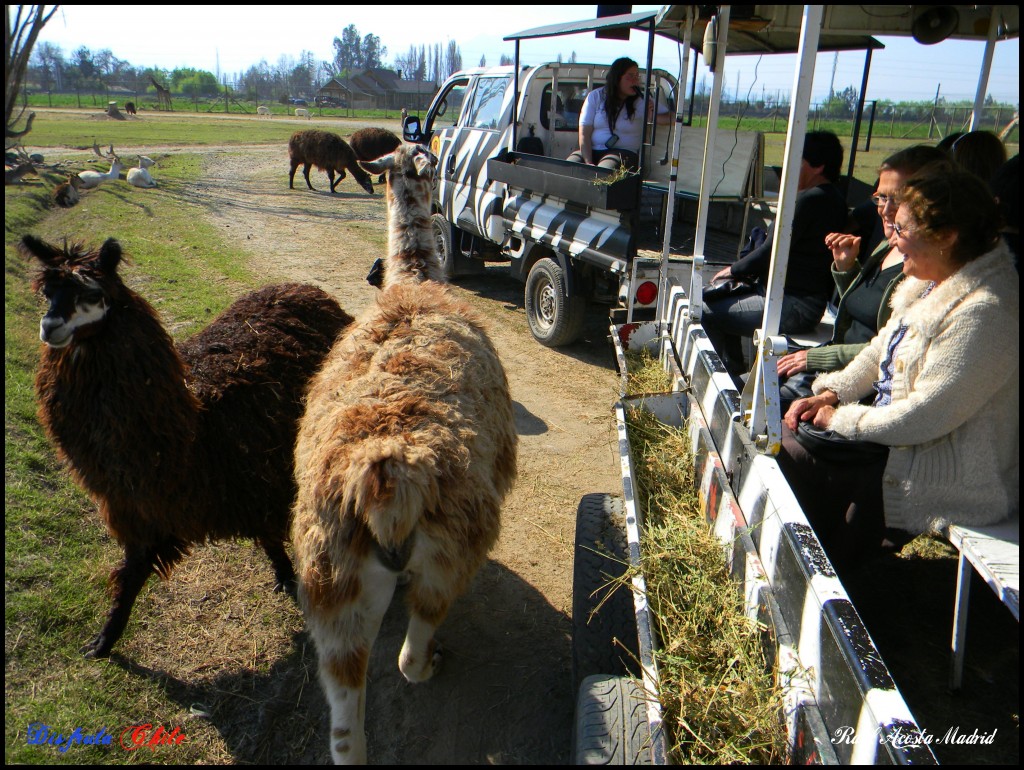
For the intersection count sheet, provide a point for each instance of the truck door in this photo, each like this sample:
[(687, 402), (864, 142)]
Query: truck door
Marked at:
[(466, 198)]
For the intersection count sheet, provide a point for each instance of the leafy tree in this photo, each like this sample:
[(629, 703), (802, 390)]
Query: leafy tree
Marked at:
[(347, 49), (48, 64), (372, 52)]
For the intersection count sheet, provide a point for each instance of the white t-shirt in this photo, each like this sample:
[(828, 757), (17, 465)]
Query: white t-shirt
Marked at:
[(630, 132)]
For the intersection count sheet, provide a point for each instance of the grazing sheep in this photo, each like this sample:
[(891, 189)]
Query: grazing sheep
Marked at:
[(129, 107), (372, 143), (328, 152), (177, 445), (263, 111), (140, 176), (301, 112), (404, 455), (66, 194)]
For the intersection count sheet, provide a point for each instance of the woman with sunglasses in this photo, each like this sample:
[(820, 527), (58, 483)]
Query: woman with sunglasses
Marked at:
[(944, 376), (611, 123), (864, 289)]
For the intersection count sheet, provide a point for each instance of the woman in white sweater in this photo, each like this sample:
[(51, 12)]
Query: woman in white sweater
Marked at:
[(939, 385)]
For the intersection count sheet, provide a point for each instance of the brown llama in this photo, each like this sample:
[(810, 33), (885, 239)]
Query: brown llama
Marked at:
[(177, 445), (372, 143), (404, 456), (328, 152)]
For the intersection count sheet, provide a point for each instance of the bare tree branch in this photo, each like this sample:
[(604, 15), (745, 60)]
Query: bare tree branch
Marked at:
[(19, 40)]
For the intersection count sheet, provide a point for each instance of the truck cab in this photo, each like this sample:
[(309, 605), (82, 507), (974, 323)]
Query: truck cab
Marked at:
[(505, 192)]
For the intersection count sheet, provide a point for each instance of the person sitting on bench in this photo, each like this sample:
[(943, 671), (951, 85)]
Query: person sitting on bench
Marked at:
[(820, 209), (864, 290), (945, 374), (611, 124)]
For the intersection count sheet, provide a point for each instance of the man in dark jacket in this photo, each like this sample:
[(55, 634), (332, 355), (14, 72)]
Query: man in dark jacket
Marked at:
[(820, 210)]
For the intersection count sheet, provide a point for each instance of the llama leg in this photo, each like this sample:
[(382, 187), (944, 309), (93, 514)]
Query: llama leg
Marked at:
[(291, 175), (283, 570), (344, 635), (330, 178), (126, 581), (305, 173), (421, 655)]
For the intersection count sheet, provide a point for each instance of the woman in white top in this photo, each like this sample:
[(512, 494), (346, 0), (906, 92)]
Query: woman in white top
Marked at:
[(611, 124)]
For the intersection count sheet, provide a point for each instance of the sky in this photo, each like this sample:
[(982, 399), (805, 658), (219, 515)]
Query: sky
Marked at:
[(230, 39)]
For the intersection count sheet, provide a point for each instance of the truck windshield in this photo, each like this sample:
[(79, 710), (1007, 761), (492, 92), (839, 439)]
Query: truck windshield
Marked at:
[(487, 103)]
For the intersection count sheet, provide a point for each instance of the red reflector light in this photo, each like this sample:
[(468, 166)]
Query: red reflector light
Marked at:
[(646, 293)]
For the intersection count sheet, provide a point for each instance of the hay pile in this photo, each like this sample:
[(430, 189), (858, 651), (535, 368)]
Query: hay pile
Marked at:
[(719, 696)]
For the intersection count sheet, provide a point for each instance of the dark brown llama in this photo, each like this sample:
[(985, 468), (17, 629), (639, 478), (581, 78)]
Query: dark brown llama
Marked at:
[(328, 152), (177, 445), (372, 143), (404, 456)]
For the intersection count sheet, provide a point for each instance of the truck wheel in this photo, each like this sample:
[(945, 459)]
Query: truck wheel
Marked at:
[(604, 636), (610, 725), (554, 318), (443, 240)]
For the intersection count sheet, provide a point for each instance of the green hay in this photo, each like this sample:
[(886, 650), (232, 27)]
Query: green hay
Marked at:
[(645, 374), (719, 695)]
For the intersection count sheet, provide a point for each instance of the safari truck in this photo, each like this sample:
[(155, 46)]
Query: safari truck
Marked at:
[(569, 231)]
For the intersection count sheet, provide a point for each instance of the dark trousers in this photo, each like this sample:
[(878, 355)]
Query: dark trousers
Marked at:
[(609, 159), (842, 502)]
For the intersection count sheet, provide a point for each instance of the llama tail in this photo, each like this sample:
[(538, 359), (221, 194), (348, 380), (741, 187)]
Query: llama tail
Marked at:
[(390, 483)]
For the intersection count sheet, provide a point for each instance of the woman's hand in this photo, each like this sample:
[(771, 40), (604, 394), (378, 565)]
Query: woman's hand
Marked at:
[(817, 409), (793, 363), (722, 275), (845, 249)]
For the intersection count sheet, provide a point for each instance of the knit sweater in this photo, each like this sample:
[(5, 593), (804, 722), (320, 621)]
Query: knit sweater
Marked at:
[(837, 354), (952, 426)]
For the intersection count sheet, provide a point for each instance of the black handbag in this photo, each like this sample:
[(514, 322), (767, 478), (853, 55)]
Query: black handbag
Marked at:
[(730, 287), (833, 447)]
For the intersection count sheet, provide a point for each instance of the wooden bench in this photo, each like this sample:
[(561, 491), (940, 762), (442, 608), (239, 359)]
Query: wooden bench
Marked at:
[(994, 552)]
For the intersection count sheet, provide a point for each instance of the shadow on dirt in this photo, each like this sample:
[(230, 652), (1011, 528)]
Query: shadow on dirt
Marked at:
[(503, 643)]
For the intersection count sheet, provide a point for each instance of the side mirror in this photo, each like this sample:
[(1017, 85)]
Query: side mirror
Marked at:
[(411, 129)]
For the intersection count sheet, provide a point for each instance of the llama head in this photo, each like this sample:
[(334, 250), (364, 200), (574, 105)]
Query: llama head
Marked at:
[(78, 284), (410, 174)]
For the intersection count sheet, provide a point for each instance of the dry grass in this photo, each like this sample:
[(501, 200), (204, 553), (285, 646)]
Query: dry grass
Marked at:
[(645, 374), (719, 695)]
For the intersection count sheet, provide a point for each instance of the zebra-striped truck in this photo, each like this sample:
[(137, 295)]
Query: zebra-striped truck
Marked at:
[(505, 193)]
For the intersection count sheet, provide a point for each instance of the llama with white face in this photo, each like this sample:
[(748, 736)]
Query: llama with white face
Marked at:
[(177, 444), (404, 456)]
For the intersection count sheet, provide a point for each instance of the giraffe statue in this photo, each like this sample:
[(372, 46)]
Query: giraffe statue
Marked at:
[(163, 95)]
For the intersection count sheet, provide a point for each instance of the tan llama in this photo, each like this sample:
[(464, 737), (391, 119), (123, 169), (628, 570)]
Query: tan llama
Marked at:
[(404, 456)]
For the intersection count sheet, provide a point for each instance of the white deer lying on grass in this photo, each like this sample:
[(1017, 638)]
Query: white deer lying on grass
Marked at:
[(140, 176), (91, 179)]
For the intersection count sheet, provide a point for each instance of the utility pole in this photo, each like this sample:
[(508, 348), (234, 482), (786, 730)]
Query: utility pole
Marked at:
[(935, 105), (832, 84)]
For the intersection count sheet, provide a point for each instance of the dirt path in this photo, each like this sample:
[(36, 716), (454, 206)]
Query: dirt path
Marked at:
[(504, 694)]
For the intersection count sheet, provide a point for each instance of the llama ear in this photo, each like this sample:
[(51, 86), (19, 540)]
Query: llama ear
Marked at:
[(110, 256), (424, 160), (31, 246), (380, 165)]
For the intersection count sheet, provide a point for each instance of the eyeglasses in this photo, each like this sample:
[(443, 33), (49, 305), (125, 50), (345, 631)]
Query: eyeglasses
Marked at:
[(883, 200), (902, 231)]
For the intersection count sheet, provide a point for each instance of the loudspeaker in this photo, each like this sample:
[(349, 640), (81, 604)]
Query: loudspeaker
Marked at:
[(935, 24)]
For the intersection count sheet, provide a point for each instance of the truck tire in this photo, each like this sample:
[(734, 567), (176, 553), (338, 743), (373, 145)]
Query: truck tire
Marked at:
[(443, 240), (604, 636), (555, 319), (610, 726)]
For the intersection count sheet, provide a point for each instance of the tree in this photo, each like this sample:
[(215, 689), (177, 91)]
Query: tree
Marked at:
[(505, 60), (48, 61), (452, 60), (347, 49), (372, 52), (19, 40)]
